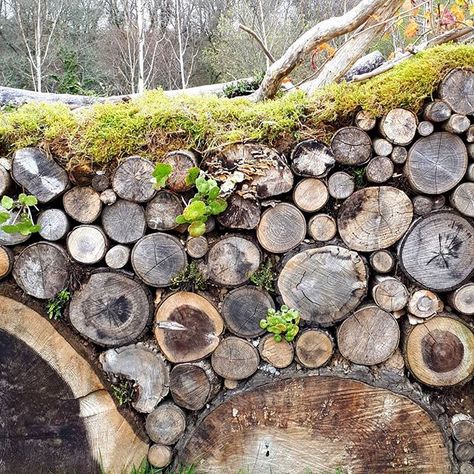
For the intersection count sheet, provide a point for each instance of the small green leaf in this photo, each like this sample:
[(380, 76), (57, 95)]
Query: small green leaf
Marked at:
[(181, 220), (217, 206), (277, 338), (4, 216), (196, 229), (192, 175), (214, 192), (161, 174), (7, 202), (202, 185), (195, 211), (30, 201)]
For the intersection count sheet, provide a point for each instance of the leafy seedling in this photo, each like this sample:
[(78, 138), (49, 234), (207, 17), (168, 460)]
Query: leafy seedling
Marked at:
[(264, 277), (123, 391), (205, 203), (16, 216), (160, 175), (55, 306), (189, 279), (282, 323)]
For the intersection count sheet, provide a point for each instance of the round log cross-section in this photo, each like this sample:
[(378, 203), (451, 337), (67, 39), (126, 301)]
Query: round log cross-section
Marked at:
[(165, 424), (285, 427), (374, 218), (162, 210), (351, 146), (181, 162), (324, 284), (369, 336), (440, 352), (241, 213), (310, 195), (42, 270), (235, 359), (437, 252), (312, 158), (232, 260), (278, 354), (87, 244), (111, 309), (314, 348), (124, 221), (54, 224), (243, 308), (6, 261), (437, 163), (187, 327), (157, 258), (457, 90), (399, 126), (132, 179), (83, 204)]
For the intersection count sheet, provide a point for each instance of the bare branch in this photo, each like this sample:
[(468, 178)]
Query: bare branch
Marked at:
[(259, 41)]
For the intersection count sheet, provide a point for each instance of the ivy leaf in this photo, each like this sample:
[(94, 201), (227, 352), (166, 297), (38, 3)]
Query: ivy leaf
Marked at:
[(197, 228), (217, 206), (7, 202), (4, 216), (192, 175), (195, 211), (161, 174)]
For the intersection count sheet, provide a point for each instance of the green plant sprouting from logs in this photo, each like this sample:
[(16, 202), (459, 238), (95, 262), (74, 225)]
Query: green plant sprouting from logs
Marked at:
[(282, 323), (16, 216), (205, 203), (160, 175), (55, 306)]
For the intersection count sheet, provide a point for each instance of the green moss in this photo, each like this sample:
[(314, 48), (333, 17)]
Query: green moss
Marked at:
[(155, 124)]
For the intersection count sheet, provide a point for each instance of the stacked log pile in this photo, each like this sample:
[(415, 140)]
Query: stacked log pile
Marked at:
[(370, 237)]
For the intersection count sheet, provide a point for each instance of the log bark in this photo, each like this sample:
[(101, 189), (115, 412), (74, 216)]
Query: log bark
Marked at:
[(437, 251), (374, 218), (322, 227), (192, 386), (314, 348), (462, 199), (457, 123), (241, 213), (437, 111), (110, 309), (232, 260), (42, 270), (158, 258), (369, 336), (341, 185), (87, 244), (181, 162), (399, 126), (132, 179), (277, 354), (197, 247), (382, 261), (324, 284), (365, 121), (187, 327), (235, 359), (462, 299), (379, 169), (6, 261), (166, 423), (159, 455), (439, 353), (117, 257), (382, 147), (145, 367), (124, 221), (281, 228), (425, 128), (424, 304), (302, 47), (457, 90), (301, 439), (162, 210), (351, 146), (243, 308), (5, 181), (390, 294), (312, 158), (83, 204), (54, 224), (39, 174), (310, 195), (399, 155)]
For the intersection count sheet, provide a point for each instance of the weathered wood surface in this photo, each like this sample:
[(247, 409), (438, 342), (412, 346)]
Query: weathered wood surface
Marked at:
[(166, 423), (437, 111), (462, 199), (87, 244), (124, 221), (462, 299), (181, 162), (383, 429), (340, 185), (424, 304), (12, 239), (187, 327), (314, 348), (243, 308), (437, 163), (281, 228), (6, 261), (241, 213), (390, 294), (39, 174), (399, 126), (110, 309), (425, 128), (457, 123), (158, 258), (382, 261), (162, 211), (278, 354), (463, 429), (310, 195), (42, 270), (324, 284), (437, 251), (440, 352), (235, 359), (145, 367), (54, 224), (117, 256), (232, 260), (5, 181), (379, 169), (351, 146), (399, 155), (159, 455), (132, 179), (83, 204), (457, 90), (322, 227), (374, 218), (382, 147), (193, 385), (197, 247), (365, 121), (312, 158), (60, 419)]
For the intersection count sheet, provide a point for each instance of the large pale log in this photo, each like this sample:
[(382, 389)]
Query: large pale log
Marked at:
[(374, 218), (437, 252), (132, 179), (87, 244), (310, 195), (457, 90), (324, 284), (288, 426), (399, 126), (110, 309)]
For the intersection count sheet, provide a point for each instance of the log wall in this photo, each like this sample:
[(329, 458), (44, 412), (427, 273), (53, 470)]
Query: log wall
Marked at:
[(370, 237)]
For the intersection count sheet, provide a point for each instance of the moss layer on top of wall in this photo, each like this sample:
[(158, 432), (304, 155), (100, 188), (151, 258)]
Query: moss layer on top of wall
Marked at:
[(155, 124)]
